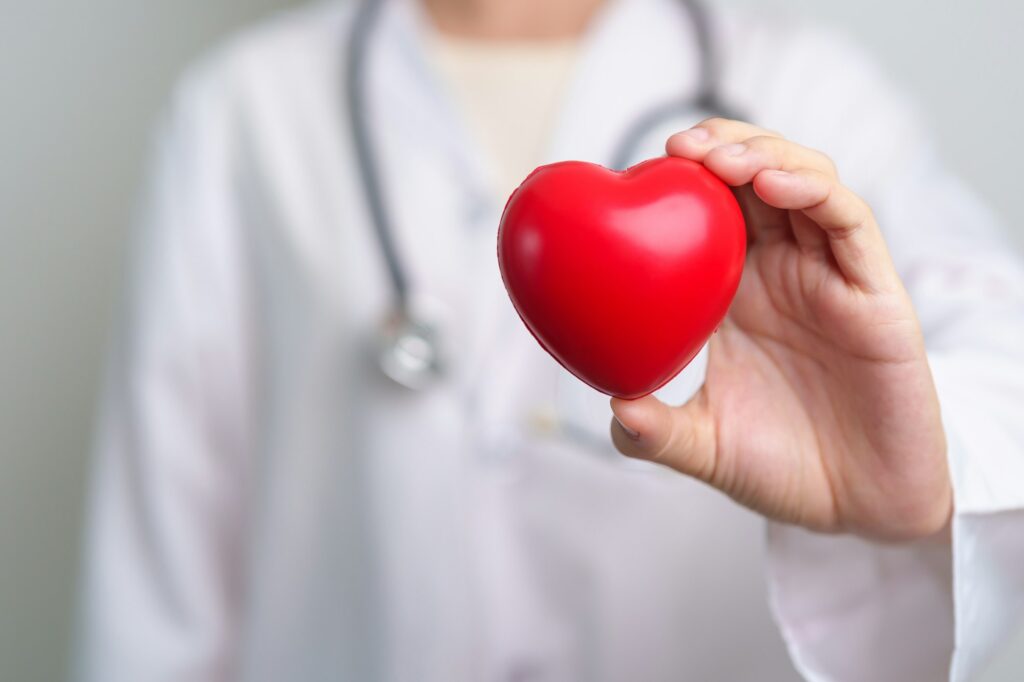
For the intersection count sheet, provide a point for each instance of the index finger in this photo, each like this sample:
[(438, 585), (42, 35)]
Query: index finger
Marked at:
[(695, 143)]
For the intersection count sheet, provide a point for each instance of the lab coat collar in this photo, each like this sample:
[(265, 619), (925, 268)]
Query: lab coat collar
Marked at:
[(636, 54), (404, 28)]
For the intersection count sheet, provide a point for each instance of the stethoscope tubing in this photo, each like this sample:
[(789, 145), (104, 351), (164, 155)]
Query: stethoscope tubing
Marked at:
[(366, 160)]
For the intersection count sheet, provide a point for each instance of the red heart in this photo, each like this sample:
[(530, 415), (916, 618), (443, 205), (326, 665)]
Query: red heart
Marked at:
[(622, 276)]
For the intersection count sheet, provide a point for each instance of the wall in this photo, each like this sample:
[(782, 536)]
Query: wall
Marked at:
[(80, 84)]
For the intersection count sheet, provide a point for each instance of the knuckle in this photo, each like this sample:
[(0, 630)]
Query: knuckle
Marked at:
[(822, 177), (826, 162), (855, 204), (795, 155), (766, 143), (827, 183), (833, 169), (822, 162), (850, 214), (715, 124), (863, 208)]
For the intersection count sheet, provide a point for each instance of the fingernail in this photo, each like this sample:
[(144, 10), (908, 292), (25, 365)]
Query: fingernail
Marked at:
[(629, 432), (697, 134), (737, 149)]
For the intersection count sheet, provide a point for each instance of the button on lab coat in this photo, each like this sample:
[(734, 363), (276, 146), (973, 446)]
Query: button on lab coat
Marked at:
[(266, 506)]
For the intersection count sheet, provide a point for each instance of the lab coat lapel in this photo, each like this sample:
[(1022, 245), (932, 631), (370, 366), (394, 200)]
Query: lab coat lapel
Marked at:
[(437, 185), (431, 177)]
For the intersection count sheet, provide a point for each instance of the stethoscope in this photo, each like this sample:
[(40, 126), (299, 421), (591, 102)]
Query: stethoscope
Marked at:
[(408, 347)]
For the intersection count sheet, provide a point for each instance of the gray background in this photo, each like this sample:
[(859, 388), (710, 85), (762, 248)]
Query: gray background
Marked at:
[(80, 85)]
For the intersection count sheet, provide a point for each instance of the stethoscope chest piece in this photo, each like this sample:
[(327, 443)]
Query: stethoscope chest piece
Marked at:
[(408, 351)]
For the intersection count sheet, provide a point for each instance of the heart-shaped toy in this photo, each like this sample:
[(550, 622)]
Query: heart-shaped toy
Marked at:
[(622, 276)]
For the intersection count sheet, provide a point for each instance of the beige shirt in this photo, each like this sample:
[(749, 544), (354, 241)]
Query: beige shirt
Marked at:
[(508, 95)]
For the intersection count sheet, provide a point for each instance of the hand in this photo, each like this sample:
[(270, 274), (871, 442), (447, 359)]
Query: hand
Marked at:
[(819, 408)]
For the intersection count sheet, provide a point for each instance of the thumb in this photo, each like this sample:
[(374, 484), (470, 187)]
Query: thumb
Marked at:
[(680, 437)]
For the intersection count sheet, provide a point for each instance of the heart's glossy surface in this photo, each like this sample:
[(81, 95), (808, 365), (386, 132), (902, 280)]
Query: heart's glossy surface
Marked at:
[(622, 276)]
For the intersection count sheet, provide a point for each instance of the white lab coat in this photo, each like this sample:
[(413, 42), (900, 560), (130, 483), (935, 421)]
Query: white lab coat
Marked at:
[(267, 507)]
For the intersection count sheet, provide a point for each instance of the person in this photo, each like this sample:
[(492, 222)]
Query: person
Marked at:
[(269, 506)]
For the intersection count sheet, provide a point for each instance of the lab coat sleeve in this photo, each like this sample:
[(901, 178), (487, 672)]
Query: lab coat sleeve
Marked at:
[(161, 589), (850, 609)]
